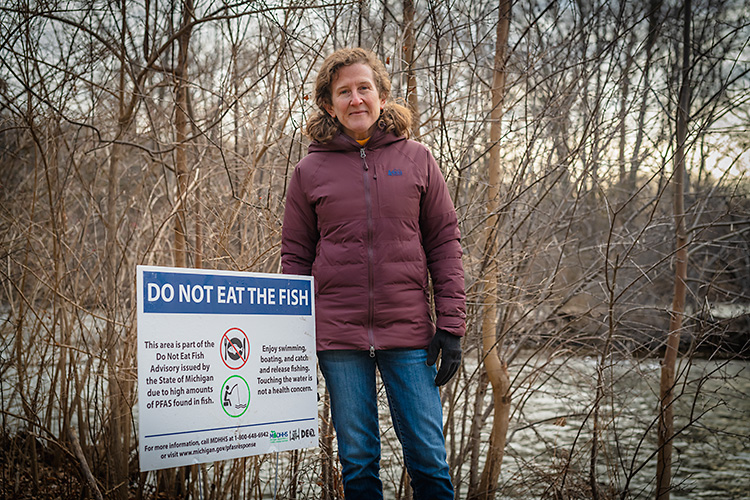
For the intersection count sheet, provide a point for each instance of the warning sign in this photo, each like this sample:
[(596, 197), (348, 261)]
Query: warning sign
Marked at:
[(235, 348), (226, 365)]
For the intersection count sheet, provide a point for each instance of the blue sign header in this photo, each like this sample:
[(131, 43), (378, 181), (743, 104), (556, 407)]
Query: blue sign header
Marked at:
[(193, 293)]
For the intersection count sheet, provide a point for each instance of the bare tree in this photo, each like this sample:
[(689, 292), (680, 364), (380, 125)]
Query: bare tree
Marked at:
[(669, 363), (409, 60), (497, 370)]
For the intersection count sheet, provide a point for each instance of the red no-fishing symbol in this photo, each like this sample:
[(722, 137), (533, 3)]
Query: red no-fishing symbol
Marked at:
[(234, 348)]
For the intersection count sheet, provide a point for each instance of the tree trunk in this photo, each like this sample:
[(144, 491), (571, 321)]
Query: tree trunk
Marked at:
[(181, 135), (497, 371), (666, 388), (119, 428), (653, 30), (411, 80), (328, 460)]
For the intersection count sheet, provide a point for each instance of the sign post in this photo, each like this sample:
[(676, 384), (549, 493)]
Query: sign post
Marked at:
[(226, 365)]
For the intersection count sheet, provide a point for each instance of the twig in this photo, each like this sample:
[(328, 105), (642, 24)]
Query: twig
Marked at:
[(84, 465)]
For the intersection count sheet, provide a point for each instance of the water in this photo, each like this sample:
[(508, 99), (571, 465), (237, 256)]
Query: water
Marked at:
[(552, 427)]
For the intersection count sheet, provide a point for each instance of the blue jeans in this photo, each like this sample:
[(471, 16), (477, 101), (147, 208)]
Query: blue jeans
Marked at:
[(416, 412)]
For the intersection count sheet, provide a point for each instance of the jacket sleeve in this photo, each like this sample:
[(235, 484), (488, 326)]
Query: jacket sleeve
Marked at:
[(441, 240), (299, 231)]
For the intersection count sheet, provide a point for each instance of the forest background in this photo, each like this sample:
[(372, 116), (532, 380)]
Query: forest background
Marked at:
[(597, 155)]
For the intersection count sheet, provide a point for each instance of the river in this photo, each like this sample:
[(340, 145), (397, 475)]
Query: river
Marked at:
[(552, 426)]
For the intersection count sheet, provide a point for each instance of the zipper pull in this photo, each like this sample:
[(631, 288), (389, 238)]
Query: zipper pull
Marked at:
[(363, 155), (372, 351)]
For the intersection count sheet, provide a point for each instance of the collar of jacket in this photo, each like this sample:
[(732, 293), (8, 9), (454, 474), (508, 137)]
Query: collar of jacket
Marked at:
[(342, 142)]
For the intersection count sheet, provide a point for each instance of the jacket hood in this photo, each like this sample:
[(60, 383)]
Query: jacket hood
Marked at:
[(342, 142)]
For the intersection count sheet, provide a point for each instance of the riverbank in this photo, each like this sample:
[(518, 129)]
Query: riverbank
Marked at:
[(548, 450), (32, 470)]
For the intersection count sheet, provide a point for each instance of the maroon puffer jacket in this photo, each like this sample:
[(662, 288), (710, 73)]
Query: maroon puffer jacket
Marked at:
[(367, 223)]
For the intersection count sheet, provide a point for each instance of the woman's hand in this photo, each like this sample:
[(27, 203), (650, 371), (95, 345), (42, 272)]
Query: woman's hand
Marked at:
[(450, 360)]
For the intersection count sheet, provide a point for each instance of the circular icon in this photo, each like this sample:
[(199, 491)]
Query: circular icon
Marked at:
[(235, 396), (234, 348)]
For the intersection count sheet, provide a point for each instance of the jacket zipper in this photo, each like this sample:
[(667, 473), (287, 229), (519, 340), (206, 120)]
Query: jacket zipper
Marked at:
[(370, 255)]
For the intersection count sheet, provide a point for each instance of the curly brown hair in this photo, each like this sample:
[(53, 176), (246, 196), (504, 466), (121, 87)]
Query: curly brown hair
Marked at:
[(322, 127)]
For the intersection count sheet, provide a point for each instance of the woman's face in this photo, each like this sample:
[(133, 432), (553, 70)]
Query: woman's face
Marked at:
[(356, 100)]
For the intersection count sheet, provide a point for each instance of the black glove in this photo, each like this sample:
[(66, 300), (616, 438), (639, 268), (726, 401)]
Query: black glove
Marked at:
[(451, 358)]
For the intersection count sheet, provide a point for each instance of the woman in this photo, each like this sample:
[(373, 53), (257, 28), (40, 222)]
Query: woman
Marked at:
[(368, 214)]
